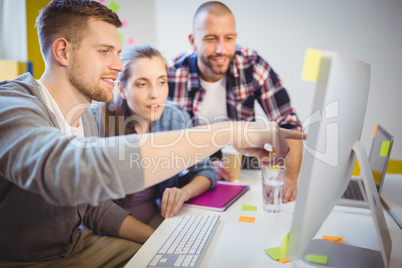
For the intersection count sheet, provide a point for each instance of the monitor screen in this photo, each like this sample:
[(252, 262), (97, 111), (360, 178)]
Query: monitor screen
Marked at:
[(379, 154), (335, 124)]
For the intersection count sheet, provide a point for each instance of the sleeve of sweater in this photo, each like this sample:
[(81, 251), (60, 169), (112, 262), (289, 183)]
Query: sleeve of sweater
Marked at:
[(106, 217), (65, 170), (175, 117)]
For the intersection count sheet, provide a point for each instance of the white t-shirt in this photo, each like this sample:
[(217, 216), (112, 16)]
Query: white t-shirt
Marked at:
[(54, 108), (213, 106)]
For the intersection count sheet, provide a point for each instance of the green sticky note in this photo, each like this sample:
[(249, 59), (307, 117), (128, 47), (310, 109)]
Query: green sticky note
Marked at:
[(311, 67), (249, 208), (385, 148), (317, 258), (113, 6), (285, 241), (120, 37), (274, 253)]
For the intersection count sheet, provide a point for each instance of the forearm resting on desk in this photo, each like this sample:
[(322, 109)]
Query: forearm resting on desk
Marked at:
[(135, 230)]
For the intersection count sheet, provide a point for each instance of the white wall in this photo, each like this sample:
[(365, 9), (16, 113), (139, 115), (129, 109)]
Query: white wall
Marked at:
[(140, 18), (13, 30), (280, 31)]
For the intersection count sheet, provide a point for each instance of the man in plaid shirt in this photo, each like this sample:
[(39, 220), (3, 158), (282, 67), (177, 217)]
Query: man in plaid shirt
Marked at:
[(219, 71)]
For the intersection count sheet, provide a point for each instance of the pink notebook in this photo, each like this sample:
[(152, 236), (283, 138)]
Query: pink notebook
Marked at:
[(219, 198)]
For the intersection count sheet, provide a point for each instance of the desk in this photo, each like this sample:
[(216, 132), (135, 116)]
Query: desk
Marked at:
[(238, 244)]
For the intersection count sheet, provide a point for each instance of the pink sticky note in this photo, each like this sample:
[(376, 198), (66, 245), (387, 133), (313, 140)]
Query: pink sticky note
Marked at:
[(101, 1), (130, 40), (123, 23)]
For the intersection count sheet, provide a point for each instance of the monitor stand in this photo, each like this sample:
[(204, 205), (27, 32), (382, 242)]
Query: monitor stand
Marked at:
[(343, 255)]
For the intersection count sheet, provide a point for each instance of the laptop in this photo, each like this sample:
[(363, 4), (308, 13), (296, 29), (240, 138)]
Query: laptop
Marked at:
[(355, 194)]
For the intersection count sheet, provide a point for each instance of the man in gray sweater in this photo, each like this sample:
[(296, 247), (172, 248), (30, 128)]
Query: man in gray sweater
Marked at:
[(56, 176)]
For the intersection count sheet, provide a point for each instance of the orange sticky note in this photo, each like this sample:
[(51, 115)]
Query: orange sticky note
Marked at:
[(333, 238), (374, 131), (284, 260), (247, 219)]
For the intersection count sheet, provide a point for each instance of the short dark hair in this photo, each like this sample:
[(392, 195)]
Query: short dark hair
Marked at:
[(69, 19)]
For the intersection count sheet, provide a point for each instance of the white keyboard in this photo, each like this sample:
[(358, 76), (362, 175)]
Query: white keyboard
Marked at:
[(186, 245)]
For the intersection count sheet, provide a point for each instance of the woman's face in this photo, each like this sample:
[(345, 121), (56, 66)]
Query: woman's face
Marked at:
[(147, 89)]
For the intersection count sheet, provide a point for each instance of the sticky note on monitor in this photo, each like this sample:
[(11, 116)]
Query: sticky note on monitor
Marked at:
[(285, 242), (333, 238), (385, 148), (374, 131), (311, 67)]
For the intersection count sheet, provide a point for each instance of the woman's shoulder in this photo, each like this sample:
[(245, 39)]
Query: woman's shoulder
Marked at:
[(174, 116), (174, 109)]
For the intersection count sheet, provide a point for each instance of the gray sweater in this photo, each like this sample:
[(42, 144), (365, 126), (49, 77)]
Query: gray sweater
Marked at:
[(51, 182)]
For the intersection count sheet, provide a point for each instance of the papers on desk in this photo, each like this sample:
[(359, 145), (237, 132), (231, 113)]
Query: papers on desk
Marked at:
[(220, 198)]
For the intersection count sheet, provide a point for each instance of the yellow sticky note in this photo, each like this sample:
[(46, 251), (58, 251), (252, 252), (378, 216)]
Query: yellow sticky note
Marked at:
[(247, 219), (285, 241), (385, 148), (317, 258), (274, 253), (311, 67), (113, 6), (333, 238), (249, 208)]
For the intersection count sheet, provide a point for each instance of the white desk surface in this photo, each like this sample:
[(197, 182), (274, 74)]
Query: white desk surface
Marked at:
[(238, 244)]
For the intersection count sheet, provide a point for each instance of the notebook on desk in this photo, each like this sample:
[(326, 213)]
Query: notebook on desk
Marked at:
[(355, 194), (220, 198)]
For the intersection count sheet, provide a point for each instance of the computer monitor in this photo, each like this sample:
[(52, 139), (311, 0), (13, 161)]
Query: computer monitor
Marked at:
[(328, 160)]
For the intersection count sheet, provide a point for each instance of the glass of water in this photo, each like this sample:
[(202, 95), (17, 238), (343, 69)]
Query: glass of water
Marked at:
[(273, 179)]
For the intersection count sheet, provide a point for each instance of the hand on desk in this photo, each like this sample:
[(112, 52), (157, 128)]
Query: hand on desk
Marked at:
[(223, 173), (289, 190), (172, 201)]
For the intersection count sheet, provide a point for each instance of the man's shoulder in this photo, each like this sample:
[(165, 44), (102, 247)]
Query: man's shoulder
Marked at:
[(182, 58), (182, 64), (24, 83), (24, 87), (245, 54)]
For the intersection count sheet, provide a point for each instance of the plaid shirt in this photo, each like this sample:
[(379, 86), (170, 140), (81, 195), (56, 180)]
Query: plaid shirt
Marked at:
[(249, 77)]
